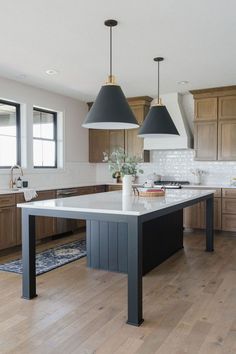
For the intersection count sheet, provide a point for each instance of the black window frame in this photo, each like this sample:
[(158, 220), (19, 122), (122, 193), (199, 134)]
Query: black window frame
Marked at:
[(54, 135), (18, 131)]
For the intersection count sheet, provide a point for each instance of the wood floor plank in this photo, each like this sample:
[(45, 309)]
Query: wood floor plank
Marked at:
[(189, 306)]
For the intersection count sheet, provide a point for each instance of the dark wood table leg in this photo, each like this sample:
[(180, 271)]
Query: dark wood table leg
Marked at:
[(135, 290), (28, 255), (210, 224)]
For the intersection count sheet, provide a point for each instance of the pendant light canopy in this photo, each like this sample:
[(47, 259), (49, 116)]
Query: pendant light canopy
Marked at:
[(110, 109), (158, 121)]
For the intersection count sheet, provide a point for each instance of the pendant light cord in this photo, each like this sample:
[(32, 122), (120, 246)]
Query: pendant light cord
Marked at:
[(110, 51), (158, 82)]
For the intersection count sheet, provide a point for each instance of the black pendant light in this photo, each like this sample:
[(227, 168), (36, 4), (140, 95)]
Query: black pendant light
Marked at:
[(110, 109), (158, 121)]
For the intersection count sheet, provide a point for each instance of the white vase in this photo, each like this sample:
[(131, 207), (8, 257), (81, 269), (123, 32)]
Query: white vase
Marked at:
[(197, 179), (127, 185)]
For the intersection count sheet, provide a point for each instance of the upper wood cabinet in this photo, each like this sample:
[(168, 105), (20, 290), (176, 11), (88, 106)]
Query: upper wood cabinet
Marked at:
[(215, 124), (98, 143), (227, 107), (205, 109), (133, 144), (227, 140), (109, 140), (205, 140)]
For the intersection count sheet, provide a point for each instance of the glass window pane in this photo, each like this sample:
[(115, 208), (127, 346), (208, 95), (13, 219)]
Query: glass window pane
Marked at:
[(9, 158), (48, 153), (43, 125), (38, 153), (8, 135), (44, 153)]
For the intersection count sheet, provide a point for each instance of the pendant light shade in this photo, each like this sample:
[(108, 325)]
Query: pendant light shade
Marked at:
[(110, 109), (158, 121)]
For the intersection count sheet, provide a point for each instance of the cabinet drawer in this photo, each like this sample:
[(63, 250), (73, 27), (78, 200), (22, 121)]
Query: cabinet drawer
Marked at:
[(229, 206), (114, 187), (228, 222), (7, 200), (85, 190), (229, 193), (44, 195), (100, 189)]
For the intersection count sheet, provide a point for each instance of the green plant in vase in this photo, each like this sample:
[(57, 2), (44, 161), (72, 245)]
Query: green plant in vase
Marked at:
[(120, 164)]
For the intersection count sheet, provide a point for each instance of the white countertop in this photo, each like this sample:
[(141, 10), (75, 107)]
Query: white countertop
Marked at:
[(55, 187), (115, 203)]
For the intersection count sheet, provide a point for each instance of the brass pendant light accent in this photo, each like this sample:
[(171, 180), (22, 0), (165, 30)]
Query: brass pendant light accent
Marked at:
[(110, 109)]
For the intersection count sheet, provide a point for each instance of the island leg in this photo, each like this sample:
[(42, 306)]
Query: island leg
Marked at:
[(28, 255), (210, 225), (135, 291)]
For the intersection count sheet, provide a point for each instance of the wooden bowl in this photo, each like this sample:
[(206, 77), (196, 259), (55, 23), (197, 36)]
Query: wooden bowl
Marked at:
[(154, 193)]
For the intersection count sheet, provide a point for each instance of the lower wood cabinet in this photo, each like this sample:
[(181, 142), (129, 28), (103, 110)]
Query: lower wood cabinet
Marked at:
[(195, 216), (111, 188), (7, 227), (229, 209), (45, 226)]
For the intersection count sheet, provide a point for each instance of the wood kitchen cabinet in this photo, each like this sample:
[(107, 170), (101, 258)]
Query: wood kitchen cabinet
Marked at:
[(98, 143), (7, 221), (109, 140), (44, 226), (133, 144), (215, 124), (229, 209), (205, 109), (205, 140), (195, 216)]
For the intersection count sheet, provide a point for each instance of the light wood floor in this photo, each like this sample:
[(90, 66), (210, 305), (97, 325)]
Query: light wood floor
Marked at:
[(189, 307)]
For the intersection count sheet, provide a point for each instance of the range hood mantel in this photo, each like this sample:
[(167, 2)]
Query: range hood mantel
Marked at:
[(182, 141)]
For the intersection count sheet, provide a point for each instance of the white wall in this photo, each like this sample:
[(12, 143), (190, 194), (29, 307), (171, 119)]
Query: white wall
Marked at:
[(76, 167)]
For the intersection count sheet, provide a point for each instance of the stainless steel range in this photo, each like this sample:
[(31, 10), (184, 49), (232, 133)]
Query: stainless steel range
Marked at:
[(171, 184)]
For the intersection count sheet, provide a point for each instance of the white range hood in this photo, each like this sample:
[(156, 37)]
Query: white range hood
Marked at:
[(184, 140)]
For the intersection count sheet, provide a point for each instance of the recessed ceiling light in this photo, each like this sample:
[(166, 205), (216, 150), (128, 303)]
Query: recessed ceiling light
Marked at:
[(52, 72), (184, 82)]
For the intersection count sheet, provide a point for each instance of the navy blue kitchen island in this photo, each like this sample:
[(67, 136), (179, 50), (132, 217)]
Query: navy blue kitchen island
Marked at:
[(126, 234)]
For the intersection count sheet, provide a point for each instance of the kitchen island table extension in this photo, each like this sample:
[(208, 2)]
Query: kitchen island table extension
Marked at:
[(132, 211)]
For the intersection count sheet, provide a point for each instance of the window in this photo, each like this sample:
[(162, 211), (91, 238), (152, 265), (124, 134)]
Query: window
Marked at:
[(9, 134), (44, 138)]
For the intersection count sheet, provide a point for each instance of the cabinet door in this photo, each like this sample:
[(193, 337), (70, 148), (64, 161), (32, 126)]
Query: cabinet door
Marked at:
[(227, 107), (44, 226), (205, 109), (227, 140), (114, 187), (134, 144), (116, 140), (205, 141), (98, 143), (195, 218), (7, 227), (228, 222)]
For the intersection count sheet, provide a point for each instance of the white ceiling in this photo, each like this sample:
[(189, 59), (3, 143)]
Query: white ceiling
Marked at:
[(197, 39)]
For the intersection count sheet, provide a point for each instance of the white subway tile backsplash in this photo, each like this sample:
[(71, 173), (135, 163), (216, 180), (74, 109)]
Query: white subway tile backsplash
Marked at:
[(177, 165)]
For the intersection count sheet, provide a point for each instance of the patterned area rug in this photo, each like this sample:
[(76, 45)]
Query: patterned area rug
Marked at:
[(51, 258)]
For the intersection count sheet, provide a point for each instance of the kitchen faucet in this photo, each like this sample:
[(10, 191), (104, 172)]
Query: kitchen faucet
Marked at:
[(13, 181)]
